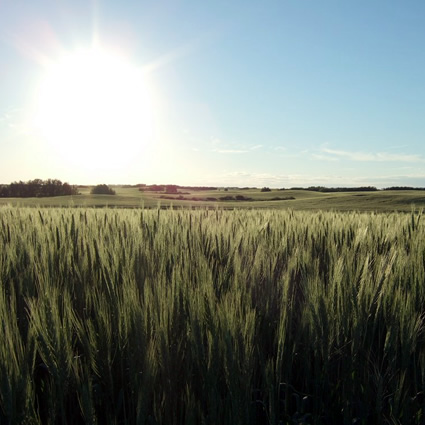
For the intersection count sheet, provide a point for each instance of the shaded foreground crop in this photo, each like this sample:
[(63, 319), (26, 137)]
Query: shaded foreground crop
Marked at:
[(211, 317)]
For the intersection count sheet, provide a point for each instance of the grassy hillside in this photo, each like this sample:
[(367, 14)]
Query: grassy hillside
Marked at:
[(303, 200)]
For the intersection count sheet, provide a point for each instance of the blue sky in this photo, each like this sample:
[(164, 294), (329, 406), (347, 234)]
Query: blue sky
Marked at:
[(240, 93)]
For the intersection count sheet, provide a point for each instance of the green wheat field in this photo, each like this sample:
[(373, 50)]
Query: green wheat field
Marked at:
[(211, 316)]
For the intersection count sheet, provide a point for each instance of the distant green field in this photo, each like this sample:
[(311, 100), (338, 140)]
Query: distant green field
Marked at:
[(131, 197)]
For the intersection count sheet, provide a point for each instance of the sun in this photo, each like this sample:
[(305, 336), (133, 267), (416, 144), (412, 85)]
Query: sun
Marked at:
[(92, 107)]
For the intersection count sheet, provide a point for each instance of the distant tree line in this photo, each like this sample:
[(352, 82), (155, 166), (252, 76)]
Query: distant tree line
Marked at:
[(197, 187), (37, 188), (403, 188), (353, 189), (342, 189), (171, 188), (102, 189), (225, 198)]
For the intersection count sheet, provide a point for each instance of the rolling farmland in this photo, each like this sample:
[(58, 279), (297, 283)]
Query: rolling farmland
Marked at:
[(131, 197)]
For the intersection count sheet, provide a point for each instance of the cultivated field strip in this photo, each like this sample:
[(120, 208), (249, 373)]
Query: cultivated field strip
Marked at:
[(211, 317)]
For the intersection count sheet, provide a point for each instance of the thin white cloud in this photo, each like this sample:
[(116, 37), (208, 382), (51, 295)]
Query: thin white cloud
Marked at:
[(325, 158), (368, 156), (15, 122), (230, 151), (387, 157), (10, 116), (244, 179), (397, 147), (353, 156), (231, 148)]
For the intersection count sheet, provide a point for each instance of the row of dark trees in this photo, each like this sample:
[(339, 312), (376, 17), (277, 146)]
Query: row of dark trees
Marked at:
[(403, 188), (354, 189), (102, 189), (37, 188), (171, 188), (342, 189)]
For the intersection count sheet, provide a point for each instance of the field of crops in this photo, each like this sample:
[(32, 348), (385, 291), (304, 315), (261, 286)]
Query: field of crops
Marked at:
[(306, 200), (211, 317)]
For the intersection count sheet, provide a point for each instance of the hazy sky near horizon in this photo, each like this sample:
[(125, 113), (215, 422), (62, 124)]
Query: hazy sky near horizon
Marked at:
[(242, 93)]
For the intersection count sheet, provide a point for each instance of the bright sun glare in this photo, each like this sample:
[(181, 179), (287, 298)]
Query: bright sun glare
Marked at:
[(92, 108)]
